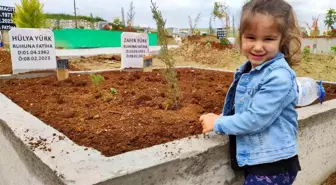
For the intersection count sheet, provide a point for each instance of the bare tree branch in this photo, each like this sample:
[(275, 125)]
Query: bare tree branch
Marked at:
[(130, 14)]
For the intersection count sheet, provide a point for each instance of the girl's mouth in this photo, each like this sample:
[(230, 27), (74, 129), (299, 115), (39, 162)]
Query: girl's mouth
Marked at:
[(257, 57)]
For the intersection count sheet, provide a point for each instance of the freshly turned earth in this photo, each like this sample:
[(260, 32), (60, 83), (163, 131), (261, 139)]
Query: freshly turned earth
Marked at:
[(134, 118), (331, 180), (5, 62)]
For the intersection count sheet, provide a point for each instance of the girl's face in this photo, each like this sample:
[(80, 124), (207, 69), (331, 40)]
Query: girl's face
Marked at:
[(261, 39)]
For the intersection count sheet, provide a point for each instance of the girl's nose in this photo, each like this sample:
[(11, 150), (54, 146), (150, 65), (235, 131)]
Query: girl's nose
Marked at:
[(258, 46)]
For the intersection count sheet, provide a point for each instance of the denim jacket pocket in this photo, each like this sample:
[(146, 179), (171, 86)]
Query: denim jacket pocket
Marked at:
[(251, 91), (241, 89), (241, 98)]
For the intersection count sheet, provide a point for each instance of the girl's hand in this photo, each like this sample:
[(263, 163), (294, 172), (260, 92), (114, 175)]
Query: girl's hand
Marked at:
[(208, 122)]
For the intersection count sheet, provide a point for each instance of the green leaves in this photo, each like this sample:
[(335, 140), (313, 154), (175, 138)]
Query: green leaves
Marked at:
[(96, 79), (333, 49), (113, 91), (219, 10), (117, 24), (330, 18), (29, 14), (170, 70)]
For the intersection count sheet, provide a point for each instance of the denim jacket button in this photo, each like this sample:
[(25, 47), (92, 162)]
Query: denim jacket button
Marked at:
[(242, 99)]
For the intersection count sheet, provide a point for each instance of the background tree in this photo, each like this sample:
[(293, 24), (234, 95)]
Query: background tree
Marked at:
[(130, 15), (123, 17), (329, 21), (330, 18), (220, 11), (29, 14), (193, 24), (211, 31), (92, 21), (117, 24)]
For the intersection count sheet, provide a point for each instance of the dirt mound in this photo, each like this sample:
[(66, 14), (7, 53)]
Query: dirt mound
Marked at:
[(128, 30), (331, 180), (207, 38), (206, 53), (317, 66), (216, 45), (5, 62), (209, 41), (99, 58), (73, 67)]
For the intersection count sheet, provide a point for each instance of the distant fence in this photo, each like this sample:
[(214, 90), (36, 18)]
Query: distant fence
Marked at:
[(81, 38)]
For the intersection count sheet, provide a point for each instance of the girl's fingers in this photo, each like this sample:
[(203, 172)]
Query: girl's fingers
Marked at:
[(201, 119), (205, 131)]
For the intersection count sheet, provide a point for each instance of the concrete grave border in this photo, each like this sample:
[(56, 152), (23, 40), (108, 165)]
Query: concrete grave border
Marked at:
[(196, 160)]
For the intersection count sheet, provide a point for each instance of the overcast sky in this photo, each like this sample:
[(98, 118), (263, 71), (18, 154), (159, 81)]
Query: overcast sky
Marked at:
[(175, 11)]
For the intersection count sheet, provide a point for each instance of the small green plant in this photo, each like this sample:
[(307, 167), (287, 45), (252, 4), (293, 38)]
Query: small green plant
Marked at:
[(29, 15), (333, 49), (96, 80), (113, 91), (306, 53), (170, 72), (306, 50), (224, 42)]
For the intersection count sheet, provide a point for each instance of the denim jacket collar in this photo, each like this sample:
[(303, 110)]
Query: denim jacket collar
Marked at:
[(278, 56)]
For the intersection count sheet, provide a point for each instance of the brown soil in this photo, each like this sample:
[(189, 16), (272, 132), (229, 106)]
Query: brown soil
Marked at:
[(201, 38), (73, 67), (128, 29), (331, 180), (5, 62), (103, 58), (330, 92), (209, 53), (170, 40), (134, 118), (207, 41), (216, 45)]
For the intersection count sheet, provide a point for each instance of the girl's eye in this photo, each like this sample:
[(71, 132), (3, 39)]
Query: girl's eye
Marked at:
[(269, 39), (250, 38)]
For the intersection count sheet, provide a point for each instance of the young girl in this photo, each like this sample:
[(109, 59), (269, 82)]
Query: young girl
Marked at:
[(259, 112)]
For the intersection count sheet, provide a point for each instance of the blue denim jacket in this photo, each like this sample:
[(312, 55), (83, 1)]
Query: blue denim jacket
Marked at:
[(265, 119)]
